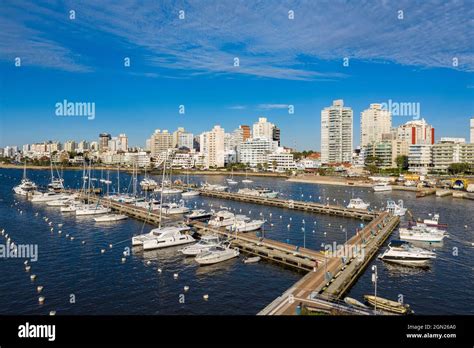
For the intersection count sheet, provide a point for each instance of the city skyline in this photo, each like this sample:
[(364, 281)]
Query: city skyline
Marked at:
[(177, 62)]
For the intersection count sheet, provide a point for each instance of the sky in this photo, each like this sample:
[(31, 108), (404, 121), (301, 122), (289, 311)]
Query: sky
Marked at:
[(404, 51)]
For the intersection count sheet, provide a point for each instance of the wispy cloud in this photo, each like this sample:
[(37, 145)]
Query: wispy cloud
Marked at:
[(237, 107), (272, 106), (258, 33)]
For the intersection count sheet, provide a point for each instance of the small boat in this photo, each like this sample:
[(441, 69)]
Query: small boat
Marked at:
[(224, 218), (174, 208), (92, 209), (404, 253), (258, 192), (396, 209), (353, 302), (46, 197), (211, 187), (253, 259), (64, 201), (388, 305), (148, 184), (217, 254), (190, 193), (245, 226), (199, 214), (110, 218), (382, 187), (26, 185), (434, 222), (204, 244), (357, 203)]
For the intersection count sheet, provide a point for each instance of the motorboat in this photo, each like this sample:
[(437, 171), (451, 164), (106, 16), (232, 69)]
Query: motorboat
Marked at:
[(26, 186), (396, 209), (245, 226), (71, 207), (422, 233), (155, 233), (174, 208), (404, 253), (217, 254), (167, 237), (232, 182), (148, 184), (358, 203), (110, 218), (168, 191), (92, 209), (191, 193), (56, 184), (382, 187), (64, 201), (354, 303), (212, 187), (388, 305), (224, 218), (199, 214), (204, 244), (46, 197), (434, 222), (258, 192)]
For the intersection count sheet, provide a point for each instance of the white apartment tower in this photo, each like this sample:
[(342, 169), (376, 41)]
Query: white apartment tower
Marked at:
[(263, 129), (160, 141), (212, 146), (336, 133), (373, 123)]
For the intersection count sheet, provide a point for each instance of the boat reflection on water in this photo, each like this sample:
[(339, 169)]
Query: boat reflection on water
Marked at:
[(217, 268), (427, 245), (396, 270)]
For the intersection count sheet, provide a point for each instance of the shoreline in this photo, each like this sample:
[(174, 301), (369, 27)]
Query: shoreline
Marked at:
[(330, 180)]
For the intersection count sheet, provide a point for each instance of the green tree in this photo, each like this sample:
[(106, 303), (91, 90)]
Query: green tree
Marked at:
[(402, 162)]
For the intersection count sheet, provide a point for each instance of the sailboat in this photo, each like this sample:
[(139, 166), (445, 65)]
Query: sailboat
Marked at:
[(189, 193), (56, 184), (231, 180), (148, 183), (247, 180), (90, 209)]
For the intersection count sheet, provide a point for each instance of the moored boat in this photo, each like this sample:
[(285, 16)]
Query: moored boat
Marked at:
[(388, 305)]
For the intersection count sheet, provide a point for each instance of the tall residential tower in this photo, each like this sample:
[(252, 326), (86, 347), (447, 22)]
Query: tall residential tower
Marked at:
[(336, 133)]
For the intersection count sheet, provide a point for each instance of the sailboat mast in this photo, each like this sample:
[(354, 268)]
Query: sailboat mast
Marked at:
[(162, 188)]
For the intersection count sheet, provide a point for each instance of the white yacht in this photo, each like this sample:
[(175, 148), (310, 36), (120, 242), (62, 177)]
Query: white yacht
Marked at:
[(225, 218), (148, 184), (382, 187), (154, 233), (92, 209), (71, 207), (358, 203), (56, 184), (217, 254), (245, 226), (258, 192), (190, 193), (110, 218), (166, 237), (211, 187), (174, 208), (168, 191), (434, 222), (61, 202), (404, 253), (46, 197), (396, 209), (204, 244), (199, 214), (422, 233), (26, 186)]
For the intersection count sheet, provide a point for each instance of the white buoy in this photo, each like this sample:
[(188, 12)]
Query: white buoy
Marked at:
[(124, 253), (83, 242), (72, 238), (41, 299), (148, 262), (60, 225), (159, 270), (26, 262), (52, 313), (102, 251), (33, 277), (175, 276), (186, 288), (27, 268), (110, 246), (67, 235), (59, 232), (39, 288), (206, 297), (124, 259)]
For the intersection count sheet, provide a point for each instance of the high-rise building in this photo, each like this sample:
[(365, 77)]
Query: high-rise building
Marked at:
[(276, 134), (82, 146), (263, 129), (472, 131), (419, 158), (255, 151), (451, 150), (336, 133), (160, 141), (416, 132), (69, 146), (122, 143), (104, 141), (374, 122), (181, 138), (212, 146), (246, 133)]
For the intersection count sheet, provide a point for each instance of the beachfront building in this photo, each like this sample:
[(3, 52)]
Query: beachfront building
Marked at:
[(183, 139), (336, 133), (212, 147), (451, 150), (160, 141), (263, 129), (419, 158), (280, 161), (382, 151), (374, 123), (416, 132), (254, 151)]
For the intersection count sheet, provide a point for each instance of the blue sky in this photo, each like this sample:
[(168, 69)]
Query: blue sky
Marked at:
[(191, 62)]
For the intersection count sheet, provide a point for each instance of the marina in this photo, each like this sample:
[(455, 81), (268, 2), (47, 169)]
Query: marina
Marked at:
[(303, 270)]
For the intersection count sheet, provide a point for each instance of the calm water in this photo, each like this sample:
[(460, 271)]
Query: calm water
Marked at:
[(101, 284)]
